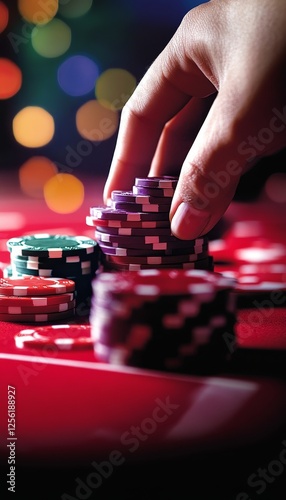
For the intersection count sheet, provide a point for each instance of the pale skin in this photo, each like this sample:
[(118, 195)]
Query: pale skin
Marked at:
[(208, 97)]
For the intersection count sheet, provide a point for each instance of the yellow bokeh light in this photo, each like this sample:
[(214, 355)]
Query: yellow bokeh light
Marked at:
[(51, 40), (114, 87), (34, 174), (64, 193), (38, 11), (33, 127), (96, 122)]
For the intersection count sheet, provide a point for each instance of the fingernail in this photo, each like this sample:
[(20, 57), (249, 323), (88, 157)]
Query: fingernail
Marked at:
[(188, 223)]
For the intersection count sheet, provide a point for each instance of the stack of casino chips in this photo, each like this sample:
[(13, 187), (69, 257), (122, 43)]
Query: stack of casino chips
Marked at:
[(164, 319), (134, 231), (55, 256), (34, 299)]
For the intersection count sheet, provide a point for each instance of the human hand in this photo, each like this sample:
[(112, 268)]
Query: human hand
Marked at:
[(209, 106)]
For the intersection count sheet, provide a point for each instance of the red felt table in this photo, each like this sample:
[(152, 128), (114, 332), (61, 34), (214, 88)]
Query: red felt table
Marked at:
[(73, 411)]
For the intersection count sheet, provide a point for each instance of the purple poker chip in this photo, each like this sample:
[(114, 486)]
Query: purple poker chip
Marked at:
[(134, 231), (154, 238), (107, 214), (154, 192), (203, 264), (149, 241), (154, 251), (149, 259), (129, 197), (167, 181), (139, 207), (105, 225)]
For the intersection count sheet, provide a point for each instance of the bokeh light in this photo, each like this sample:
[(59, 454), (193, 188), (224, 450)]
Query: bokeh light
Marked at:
[(77, 75), (4, 16), (75, 8), (52, 39), (34, 174), (114, 87), (64, 193), (33, 127), (38, 11), (10, 78), (96, 122), (275, 187)]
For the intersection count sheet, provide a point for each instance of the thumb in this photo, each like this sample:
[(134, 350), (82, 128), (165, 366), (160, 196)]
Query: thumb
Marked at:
[(209, 175)]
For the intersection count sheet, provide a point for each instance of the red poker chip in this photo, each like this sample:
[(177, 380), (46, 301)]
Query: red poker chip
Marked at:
[(276, 270), (155, 282), (61, 337), (38, 317), (261, 278), (269, 252), (51, 308), (35, 285), (35, 302)]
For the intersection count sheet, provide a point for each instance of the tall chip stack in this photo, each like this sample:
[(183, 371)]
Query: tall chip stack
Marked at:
[(134, 232), (172, 320), (172, 312)]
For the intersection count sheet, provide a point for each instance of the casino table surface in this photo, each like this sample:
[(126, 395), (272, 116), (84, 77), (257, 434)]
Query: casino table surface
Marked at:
[(220, 436)]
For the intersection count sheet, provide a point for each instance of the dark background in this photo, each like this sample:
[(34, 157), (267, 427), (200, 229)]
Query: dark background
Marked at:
[(124, 34)]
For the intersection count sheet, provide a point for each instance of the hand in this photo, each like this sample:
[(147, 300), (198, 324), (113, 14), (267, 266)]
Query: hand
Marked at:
[(210, 105)]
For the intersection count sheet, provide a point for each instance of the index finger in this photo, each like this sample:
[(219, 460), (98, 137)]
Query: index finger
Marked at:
[(163, 91)]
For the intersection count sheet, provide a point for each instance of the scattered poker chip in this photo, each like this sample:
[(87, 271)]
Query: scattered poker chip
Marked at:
[(103, 213), (140, 208), (35, 285), (130, 197), (62, 337), (22, 309), (35, 302), (157, 182), (38, 317), (172, 320), (153, 192), (51, 246)]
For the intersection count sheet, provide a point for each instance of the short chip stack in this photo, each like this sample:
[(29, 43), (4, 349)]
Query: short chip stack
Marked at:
[(163, 319), (56, 256), (134, 232), (34, 299)]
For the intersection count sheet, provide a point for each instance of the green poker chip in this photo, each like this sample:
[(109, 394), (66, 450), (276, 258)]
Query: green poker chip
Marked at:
[(52, 246)]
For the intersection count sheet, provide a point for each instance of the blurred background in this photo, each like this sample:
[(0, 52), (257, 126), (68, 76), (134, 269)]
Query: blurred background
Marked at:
[(67, 67)]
